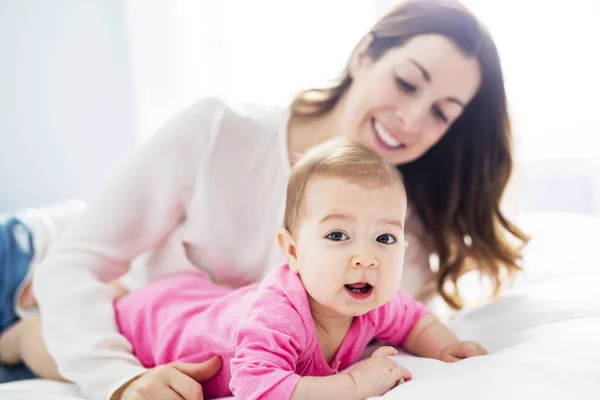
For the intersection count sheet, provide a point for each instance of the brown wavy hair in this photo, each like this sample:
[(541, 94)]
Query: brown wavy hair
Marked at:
[(455, 187)]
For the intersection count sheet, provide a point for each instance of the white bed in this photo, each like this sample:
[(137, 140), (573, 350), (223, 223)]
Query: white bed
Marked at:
[(544, 336)]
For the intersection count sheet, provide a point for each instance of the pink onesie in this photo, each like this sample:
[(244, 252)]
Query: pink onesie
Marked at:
[(264, 332)]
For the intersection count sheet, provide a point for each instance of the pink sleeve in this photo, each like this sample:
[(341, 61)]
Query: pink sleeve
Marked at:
[(394, 320), (268, 345)]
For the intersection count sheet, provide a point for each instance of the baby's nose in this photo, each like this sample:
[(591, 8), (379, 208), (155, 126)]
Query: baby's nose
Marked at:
[(363, 261)]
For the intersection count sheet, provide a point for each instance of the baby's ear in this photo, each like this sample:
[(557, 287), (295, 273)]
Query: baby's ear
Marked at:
[(405, 246), (288, 246)]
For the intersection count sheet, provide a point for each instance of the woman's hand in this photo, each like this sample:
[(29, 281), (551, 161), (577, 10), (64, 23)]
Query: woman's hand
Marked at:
[(175, 381), (378, 374)]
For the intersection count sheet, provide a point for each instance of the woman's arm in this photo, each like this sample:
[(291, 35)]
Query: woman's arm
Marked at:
[(140, 207)]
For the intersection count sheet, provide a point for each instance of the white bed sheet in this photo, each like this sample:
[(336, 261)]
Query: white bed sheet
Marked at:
[(544, 337)]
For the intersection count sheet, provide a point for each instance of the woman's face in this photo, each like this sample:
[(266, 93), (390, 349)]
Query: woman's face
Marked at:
[(404, 102)]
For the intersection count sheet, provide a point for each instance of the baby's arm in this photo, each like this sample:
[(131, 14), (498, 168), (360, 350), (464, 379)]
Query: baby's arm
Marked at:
[(268, 345), (430, 338), (272, 341), (372, 377), (405, 321), (333, 387)]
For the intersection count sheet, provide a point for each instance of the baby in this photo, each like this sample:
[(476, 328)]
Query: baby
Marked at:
[(291, 336)]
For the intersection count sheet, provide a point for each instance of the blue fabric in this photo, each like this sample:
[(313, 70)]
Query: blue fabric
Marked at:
[(15, 373), (16, 253)]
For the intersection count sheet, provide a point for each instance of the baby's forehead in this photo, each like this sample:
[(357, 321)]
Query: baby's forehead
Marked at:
[(320, 183), (356, 197)]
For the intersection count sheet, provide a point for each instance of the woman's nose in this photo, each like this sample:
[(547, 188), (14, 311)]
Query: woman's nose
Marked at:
[(411, 118)]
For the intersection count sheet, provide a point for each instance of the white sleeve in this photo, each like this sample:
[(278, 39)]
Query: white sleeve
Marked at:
[(137, 275), (140, 207)]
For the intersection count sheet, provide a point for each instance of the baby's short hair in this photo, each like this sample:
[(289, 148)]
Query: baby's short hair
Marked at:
[(338, 158)]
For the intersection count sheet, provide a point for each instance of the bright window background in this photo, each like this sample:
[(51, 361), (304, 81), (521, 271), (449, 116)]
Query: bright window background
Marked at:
[(551, 60), (260, 51)]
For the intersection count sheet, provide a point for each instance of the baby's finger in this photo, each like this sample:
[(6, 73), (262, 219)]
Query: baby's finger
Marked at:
[(451, 357), (401, 375), (481, 350), (384, 351), (469, 351)]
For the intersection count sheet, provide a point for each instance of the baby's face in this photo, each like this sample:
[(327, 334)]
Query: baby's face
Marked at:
[(350, 245)]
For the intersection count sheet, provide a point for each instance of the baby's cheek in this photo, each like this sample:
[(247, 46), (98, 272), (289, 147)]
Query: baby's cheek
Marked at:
[(387, 290), (392, 277), (318, 286)]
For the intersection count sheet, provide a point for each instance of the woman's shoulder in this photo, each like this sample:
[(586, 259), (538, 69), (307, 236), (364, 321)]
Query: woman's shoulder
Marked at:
[(245, 133), (213, 128), (229, 115)]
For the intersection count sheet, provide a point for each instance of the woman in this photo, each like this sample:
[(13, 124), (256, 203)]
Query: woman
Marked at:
[(423, 88)]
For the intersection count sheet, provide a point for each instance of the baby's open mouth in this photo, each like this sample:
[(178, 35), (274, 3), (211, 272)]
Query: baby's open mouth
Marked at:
[(359, 287), (360, 290)]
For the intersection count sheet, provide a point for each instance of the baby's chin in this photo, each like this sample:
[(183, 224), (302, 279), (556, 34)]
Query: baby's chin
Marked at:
[(359, 310)]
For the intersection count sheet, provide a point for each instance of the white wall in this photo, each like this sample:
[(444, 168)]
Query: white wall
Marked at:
[(66, 99)]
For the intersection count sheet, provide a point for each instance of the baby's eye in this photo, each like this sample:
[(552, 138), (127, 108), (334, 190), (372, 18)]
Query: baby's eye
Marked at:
[(337, 236), (386, 239)]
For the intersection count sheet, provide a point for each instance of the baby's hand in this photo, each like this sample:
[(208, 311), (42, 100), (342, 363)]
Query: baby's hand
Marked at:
[(461, 350), (378, 374)]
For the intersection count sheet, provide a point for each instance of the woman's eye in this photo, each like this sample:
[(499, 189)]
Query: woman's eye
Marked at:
[(337, 236), (405, 86), (386, 239), (440, 115)]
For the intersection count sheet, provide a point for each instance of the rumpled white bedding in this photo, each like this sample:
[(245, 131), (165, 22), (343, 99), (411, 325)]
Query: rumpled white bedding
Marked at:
[(544, 336)]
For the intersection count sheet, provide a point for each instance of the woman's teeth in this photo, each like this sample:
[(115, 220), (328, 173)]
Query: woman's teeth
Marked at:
[(386, 137)]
